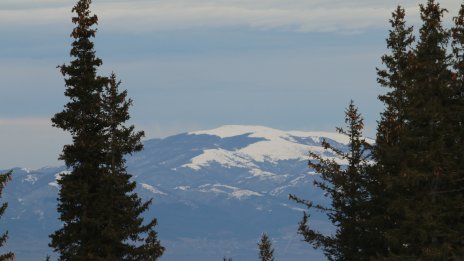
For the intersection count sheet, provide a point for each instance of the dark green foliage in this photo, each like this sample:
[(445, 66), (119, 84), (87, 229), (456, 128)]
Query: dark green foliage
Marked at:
[(152, 249), (266, 252), (408, 205), (388, 154), (419, 143), (4, 178), (226, 259), (458, 112), (396, 77), (456, 187), (100, 211), (348, 189)]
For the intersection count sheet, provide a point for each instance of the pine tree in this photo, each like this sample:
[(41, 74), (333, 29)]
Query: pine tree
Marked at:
[(396, 77), (456, 187), (266, 252), (388, 155), (422, 232), (4, 178), (348, 189), (416, 156), (121, 141), (152, 249), (100, 211)]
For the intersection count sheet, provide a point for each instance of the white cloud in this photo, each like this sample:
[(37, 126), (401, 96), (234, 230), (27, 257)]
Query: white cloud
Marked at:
[(144, 15)]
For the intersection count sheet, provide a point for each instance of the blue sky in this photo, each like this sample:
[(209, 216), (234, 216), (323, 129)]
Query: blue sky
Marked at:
[(196, 64)]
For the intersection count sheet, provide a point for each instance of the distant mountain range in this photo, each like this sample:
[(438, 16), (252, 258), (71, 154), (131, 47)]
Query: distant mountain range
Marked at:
[(214, 193)]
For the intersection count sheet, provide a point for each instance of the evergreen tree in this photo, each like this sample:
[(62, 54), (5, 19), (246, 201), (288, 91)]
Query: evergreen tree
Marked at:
[(396, 77), (97, 203), (122, 140), (152, 248), (418, 156), (388, 154), (421, 232), (456, 187), (348, 189), (266, 252), (4, 178)]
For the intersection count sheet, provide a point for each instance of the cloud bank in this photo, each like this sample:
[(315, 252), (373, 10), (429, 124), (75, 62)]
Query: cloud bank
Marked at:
[(146, 15)]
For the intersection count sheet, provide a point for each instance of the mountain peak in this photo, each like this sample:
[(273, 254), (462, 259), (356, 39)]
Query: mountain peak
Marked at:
[(268, 133), (230, 183), (271, 145)]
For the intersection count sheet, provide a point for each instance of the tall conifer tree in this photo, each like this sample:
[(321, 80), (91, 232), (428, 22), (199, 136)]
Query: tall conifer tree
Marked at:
[(396, 77), (415, 155), (456, 187), (348, 189), (426, 139), (388, 154), (266, 252), (4, 178), (100, 211)]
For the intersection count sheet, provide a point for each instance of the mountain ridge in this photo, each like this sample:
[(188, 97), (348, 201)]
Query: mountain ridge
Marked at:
[(225, 185)]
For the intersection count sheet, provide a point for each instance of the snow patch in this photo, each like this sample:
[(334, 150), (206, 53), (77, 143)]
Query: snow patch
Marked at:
[(58, 176), (53, 184), (183, 188), (277, 145), (293, 208), (242, 194), (225, 158), (293, 183), (232, 192), (258, 172), (152, 189), (30, 178), (227, 131)]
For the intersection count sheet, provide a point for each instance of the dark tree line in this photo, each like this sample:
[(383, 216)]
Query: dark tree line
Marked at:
[(407, 202)]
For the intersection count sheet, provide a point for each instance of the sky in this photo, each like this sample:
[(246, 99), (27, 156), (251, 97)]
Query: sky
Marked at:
[(197, 64)]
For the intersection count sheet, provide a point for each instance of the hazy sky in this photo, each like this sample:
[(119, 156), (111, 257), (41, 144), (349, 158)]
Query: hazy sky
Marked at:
[(196, 64)]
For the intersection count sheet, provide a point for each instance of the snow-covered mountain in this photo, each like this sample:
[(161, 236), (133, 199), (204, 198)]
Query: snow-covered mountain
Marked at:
[(214, 193)]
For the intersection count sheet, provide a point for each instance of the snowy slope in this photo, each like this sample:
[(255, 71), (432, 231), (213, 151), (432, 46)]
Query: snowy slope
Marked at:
[(276, 145), (214, 191)]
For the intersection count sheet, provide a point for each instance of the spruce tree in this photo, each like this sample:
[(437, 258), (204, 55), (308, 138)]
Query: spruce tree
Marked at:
[(266, 252), (122, 140), (388, 154), (418, 155), (423, 230), (4, 178), (152, 249), (456, 187), (97, 203), (348, 190), (396, 77)]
